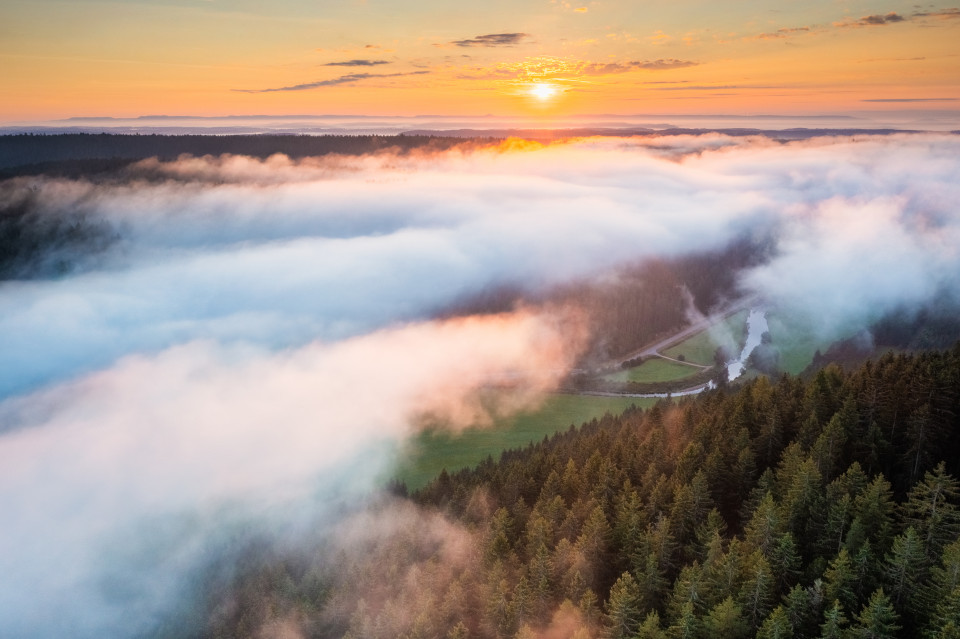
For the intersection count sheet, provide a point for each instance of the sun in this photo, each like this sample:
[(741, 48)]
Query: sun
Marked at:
[(542, 91)]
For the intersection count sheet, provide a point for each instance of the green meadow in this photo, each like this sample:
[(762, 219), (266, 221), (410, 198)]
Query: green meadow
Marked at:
[(654, 369), (700, 348), (435, 449)]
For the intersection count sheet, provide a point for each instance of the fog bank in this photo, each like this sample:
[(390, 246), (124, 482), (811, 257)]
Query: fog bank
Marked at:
[(260, 334)]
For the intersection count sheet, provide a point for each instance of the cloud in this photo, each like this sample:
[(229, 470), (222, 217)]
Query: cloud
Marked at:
[(910, 100), (357, 63), (493, 40), (605, 68), (663, 64), (943, 14), (785, 32), (256, 345), (566, 70), (715, 87), (872, 20), (343, 79)]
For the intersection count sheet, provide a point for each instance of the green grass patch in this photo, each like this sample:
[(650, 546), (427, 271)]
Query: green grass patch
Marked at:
[(795, 345), (700, 348), (654, 369), (433, 450)]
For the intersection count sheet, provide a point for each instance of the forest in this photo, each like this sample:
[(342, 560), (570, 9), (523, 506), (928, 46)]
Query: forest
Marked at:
[(76, 154), (825, 506)]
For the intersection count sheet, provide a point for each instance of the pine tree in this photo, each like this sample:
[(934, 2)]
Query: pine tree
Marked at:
[(941, 597), (629, 522), (802, 507), (726, 620), (802, 611), (689, 587), (593, 543), (931, 508), (459, 631), (756, 594), (588, 607), (623, 608), (499, 536), (834, 622), (498, 611), (840, 581), (785, 562), (652, 582), (764, 525), (650, 628), (540, 581), (725, 576), (686, 625), (776, 626), (827, 450), (946, 618), (877, 619), (865, 568), (905, 568), (539, 532), (873, 521), (522, 604)]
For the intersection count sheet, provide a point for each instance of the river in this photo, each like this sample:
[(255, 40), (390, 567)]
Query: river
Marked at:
[(756, 327)]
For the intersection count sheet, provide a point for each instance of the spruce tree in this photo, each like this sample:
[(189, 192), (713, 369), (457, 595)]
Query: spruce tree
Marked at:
[(877, 619), (623, 608), (834, 622)]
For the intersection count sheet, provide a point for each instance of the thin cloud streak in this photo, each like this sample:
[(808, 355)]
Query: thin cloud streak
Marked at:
[(492, 40), (344, 79), (357, 63), (911, 100)]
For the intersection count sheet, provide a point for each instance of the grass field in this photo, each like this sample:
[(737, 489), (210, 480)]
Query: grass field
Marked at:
[(796, 346), (700, 348), (432, 451), (654, 369)]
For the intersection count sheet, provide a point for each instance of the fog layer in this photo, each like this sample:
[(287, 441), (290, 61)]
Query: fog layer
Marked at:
[(260, 331)]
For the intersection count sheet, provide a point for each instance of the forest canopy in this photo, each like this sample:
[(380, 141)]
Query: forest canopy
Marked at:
[(827, 507)]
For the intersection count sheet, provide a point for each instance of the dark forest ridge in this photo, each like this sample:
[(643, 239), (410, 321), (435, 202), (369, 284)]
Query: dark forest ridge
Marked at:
[(27, 150), (62, 153)]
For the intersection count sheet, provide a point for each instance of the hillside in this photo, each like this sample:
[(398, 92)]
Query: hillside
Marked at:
[(785, 508)]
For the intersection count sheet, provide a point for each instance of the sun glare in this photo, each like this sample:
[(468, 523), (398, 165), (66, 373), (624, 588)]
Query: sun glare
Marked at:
[(542, 91)]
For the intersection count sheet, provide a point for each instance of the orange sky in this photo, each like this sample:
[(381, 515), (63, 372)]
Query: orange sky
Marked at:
[(212, 57)]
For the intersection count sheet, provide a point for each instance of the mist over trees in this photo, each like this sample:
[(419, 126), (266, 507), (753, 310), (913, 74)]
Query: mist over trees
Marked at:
[(78, 154), (36, 243), (788, 508)]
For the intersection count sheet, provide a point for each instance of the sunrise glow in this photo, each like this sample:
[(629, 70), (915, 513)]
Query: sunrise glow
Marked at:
[(197, 57), (542, 91)]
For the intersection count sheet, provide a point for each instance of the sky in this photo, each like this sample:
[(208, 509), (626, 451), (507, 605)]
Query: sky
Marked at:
[(531, 58)]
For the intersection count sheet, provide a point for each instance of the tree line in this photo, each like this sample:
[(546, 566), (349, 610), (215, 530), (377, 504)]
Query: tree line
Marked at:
[(37, 154)]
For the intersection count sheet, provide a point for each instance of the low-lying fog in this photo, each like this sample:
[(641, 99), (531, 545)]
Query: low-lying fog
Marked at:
[(249, 338)]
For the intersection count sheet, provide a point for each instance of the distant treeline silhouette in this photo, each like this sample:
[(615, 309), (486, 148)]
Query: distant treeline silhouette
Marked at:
[(73, 153)]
